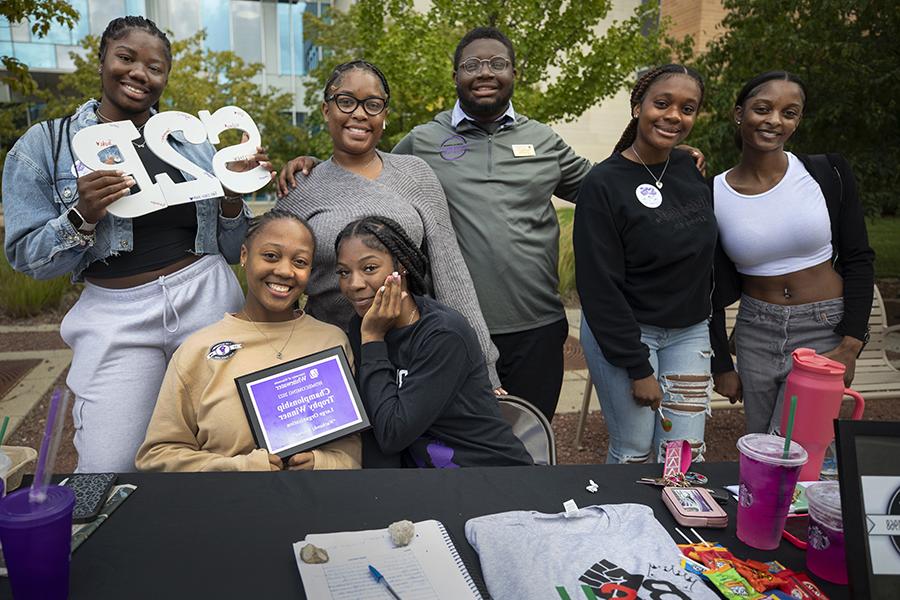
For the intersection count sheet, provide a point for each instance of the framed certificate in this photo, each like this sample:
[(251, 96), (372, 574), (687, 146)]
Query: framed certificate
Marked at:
[(302, 404)]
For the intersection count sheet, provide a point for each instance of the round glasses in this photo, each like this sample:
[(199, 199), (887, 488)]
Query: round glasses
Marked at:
[(347, 103), (497, 64)]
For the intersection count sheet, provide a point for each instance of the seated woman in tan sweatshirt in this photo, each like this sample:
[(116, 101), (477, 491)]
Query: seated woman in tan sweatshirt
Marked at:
[(199, 422)]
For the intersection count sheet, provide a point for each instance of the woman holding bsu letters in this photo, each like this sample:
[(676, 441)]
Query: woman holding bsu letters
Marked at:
[(793, 247), (151, 280), (199, 422)]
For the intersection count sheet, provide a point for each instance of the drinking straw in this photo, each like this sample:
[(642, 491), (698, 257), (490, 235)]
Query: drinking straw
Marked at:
[(49, 446), (790, 428), (3, 428), (686, 538)]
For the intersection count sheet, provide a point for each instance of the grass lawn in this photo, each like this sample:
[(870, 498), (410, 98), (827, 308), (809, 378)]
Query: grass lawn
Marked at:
[(884, 236)]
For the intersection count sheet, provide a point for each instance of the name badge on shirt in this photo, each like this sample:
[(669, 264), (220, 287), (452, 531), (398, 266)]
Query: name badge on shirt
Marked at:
[(520, 150), (648, 195)]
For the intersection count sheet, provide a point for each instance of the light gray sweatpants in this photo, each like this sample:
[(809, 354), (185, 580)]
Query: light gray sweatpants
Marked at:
[(122, 342)]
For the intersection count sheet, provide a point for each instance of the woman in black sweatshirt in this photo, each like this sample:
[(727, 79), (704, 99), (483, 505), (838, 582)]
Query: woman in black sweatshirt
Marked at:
[(644, 239), (421, 372)]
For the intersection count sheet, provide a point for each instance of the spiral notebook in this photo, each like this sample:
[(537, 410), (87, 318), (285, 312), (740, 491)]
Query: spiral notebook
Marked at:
[(429, 568)]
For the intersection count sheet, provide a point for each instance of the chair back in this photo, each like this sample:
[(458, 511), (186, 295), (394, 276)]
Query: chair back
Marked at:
[(531, 427)]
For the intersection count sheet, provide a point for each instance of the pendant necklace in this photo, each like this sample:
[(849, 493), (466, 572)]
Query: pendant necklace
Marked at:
[(658, 180), (140, 129), (278, 353)]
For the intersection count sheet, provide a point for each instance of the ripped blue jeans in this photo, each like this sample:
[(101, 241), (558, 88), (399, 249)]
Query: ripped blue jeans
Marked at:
[(680, 360)]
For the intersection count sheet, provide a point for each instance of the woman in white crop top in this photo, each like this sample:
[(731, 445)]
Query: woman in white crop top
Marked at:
[(781, 220)]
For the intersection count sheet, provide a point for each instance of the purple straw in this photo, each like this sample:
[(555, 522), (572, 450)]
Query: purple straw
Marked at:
[(49, 446)]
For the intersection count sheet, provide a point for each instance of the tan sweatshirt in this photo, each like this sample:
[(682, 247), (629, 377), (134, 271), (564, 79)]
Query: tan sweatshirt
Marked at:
[(199, 423)]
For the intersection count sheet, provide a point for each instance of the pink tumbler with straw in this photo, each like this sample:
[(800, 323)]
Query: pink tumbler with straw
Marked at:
[(818, 383)]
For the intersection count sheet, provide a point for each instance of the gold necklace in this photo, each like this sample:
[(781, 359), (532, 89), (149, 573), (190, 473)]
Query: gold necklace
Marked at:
[(278, 353), (412, 315), (140, 129)]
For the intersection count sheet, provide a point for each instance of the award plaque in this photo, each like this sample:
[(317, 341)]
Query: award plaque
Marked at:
[(302, 404)]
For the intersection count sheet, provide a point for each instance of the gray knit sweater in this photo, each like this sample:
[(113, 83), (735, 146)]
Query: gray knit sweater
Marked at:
[(408, 192)]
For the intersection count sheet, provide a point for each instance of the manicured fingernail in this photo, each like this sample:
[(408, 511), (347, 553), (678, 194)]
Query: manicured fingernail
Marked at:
[(129, 181), (381, 289)]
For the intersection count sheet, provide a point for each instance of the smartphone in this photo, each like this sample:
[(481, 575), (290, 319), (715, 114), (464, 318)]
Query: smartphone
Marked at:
[(796, 529), (91, 491)]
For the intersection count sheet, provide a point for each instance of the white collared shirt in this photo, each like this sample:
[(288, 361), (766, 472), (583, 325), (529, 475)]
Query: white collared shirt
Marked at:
[(459, 115)]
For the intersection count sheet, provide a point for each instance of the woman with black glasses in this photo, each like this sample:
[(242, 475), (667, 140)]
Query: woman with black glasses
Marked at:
[(358, 181)]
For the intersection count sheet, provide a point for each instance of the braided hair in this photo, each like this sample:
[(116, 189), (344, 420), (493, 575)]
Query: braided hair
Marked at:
[(386, 235), (259, 223), (337, 77), (118, 28), (754, 86), (640, 90)]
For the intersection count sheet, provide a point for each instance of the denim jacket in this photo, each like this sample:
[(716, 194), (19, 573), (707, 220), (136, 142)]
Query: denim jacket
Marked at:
[(40, 239)]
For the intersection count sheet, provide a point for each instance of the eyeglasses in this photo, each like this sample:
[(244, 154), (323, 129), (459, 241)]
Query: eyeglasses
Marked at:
[(347, 103), (497, 64)]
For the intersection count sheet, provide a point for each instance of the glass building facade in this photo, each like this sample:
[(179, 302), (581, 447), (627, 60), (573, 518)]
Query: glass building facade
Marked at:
[(264, 31)]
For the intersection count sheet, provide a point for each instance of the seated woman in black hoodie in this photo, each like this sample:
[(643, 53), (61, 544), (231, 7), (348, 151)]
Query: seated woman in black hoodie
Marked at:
[(421, 371)]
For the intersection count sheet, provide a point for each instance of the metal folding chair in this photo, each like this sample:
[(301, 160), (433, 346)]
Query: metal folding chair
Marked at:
[(531, 427)]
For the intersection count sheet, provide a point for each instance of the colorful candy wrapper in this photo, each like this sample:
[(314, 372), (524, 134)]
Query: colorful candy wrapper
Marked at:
[(777, 595), (731, 585), (692, 566), (809, 587), (757, 574), (714, 558), (775, 567)]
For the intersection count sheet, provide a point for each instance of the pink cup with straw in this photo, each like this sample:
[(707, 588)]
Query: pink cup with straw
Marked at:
[(767, 482)]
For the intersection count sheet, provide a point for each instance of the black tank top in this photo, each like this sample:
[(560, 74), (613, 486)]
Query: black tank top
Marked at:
[(160, 238)]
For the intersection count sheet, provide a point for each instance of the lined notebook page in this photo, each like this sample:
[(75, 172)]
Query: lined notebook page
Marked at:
[(429, 568)]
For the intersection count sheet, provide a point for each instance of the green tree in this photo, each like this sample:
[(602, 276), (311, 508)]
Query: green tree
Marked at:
[(41, 14), (563, 66), (848, 56)]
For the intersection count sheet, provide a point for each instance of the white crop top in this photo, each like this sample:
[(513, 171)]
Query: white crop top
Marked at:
[(783, 230)]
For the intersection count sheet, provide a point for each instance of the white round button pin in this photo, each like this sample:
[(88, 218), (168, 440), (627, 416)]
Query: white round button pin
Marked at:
[(648, 195)]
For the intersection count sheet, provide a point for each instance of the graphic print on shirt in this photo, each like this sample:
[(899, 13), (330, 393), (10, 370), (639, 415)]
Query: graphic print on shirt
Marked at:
[(607, 581), (439, 455), (223, 350), (686, 214)]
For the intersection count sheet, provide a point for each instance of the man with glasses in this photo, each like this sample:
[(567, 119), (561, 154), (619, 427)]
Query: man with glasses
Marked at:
[(499, 171)]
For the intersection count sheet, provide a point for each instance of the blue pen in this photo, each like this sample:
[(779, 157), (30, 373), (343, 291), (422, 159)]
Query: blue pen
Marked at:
[(380, 579)]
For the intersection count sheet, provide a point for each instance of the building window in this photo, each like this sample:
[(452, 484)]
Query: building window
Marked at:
[(217, 22), (246, 18), (184, 18), (290, 38), (101, 13)]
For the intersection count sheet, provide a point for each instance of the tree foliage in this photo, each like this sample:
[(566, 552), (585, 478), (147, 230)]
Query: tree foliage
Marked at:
[(848, 56), (41, 14), (563, 66)]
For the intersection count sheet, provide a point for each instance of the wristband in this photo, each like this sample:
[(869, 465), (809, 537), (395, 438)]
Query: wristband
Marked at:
[(237, 198)]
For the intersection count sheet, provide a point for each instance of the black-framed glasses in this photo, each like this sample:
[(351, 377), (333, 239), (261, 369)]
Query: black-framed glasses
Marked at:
[(497, 64), (347, 103)]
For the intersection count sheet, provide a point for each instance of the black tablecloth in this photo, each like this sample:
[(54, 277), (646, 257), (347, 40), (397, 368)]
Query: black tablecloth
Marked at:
[(229, 535)]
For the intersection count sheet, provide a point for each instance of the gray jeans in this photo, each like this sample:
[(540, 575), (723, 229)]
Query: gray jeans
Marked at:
[(765, 336)]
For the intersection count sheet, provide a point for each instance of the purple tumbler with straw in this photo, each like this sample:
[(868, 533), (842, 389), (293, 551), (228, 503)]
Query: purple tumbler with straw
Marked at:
[(37, 540), (36, 523)]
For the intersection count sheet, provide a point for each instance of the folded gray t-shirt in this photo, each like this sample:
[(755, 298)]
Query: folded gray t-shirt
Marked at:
[(615, 547)]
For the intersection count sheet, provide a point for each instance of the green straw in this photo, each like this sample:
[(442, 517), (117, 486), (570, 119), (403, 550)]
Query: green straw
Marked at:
[(3, 428), (790, 427)]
